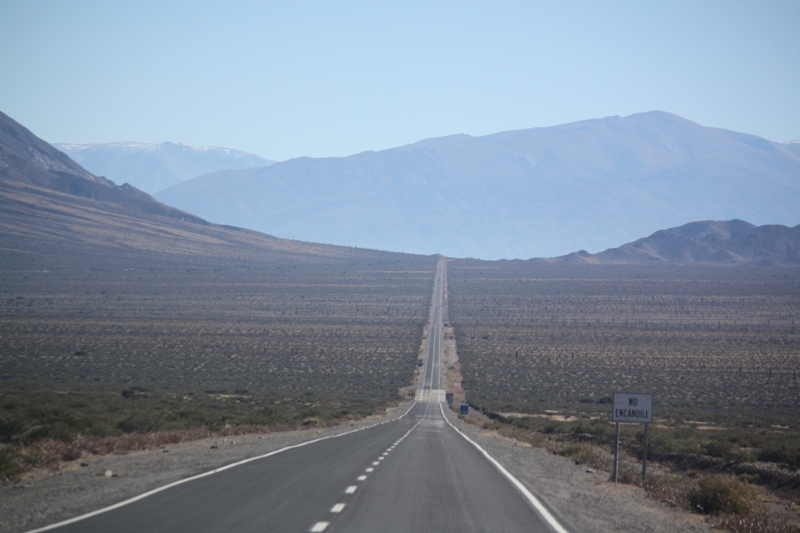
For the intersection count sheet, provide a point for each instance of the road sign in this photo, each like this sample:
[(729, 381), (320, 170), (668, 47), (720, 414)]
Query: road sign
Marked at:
[(449, 397), (465, 409), (632, 408)]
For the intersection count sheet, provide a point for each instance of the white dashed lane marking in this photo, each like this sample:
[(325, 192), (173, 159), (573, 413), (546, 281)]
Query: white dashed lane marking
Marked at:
[(321, 526)]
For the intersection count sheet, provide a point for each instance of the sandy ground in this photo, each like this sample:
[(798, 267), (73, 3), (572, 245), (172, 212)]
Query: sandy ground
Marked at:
[(584, 501)]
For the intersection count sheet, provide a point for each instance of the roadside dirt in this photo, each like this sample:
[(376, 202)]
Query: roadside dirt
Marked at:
[(452, 368)]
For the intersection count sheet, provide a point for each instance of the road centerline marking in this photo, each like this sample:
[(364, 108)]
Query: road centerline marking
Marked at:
[(337, 508), (319, 526), (351, 489)]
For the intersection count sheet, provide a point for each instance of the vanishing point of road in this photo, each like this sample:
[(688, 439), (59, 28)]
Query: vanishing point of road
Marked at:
[(416, 472)]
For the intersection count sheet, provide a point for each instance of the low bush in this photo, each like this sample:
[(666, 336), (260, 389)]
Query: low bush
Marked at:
[(717, 494), (11, 463), (580, 452), (781, 452), (724, 449)]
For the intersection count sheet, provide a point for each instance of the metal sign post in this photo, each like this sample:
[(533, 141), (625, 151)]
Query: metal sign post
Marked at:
[(632, 408), (616, 454)]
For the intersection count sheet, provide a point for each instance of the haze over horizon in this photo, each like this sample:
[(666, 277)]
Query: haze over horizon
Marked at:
[(329, 80)]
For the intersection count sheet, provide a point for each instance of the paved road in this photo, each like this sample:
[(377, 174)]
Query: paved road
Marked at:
[(431, 388), (413, 473)]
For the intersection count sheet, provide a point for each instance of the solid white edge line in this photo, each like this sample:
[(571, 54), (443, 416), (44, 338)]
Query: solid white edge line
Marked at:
[(533, 500), (204, 474)]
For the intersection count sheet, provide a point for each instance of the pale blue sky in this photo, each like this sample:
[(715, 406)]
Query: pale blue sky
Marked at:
[(333, 78)]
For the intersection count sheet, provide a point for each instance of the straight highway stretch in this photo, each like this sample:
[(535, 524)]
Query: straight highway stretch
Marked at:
[(416, 472), (431, 389)]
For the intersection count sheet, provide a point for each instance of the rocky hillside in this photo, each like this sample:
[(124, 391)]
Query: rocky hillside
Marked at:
[(732, 242)]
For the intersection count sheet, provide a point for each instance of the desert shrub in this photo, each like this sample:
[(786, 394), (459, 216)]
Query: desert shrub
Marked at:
[(724, 449), (9, 428), (137, 422), (677, 440), (722, 494), (628, 474), (781, 452), (57, 451), (580, 452), (61, 430), (11, 463), (491, 425)]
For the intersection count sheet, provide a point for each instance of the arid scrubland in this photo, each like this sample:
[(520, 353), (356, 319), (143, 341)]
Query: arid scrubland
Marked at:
[(543, 347), (96, 346), (705, 340)]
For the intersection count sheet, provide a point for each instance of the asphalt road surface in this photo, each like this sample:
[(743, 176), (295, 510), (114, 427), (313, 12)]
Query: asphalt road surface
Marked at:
[(413, 473)]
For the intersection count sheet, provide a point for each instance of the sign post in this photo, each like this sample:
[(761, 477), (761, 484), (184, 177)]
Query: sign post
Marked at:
[(631, 408)]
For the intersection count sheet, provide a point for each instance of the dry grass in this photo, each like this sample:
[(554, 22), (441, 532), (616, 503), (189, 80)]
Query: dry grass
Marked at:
[(718, 494)]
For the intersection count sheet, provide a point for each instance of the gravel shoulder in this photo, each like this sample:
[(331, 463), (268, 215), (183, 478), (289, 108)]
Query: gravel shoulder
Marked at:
[(583, 501)]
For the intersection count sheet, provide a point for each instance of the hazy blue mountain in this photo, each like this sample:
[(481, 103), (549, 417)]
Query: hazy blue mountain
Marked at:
[(57, 217), (732, 242), (29, 165), (152, 167), (793, 146), (540, 192)]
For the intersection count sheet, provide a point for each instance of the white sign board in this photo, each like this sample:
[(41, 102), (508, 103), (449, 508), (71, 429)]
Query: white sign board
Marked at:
[(633, 408)]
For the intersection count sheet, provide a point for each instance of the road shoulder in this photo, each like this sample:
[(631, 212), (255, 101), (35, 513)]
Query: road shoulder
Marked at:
[(582, 499)]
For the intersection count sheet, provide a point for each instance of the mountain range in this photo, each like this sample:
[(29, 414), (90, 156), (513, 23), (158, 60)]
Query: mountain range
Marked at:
[(55, 215), (732, 242), (541, 192), (53, 208), (152, 167)]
